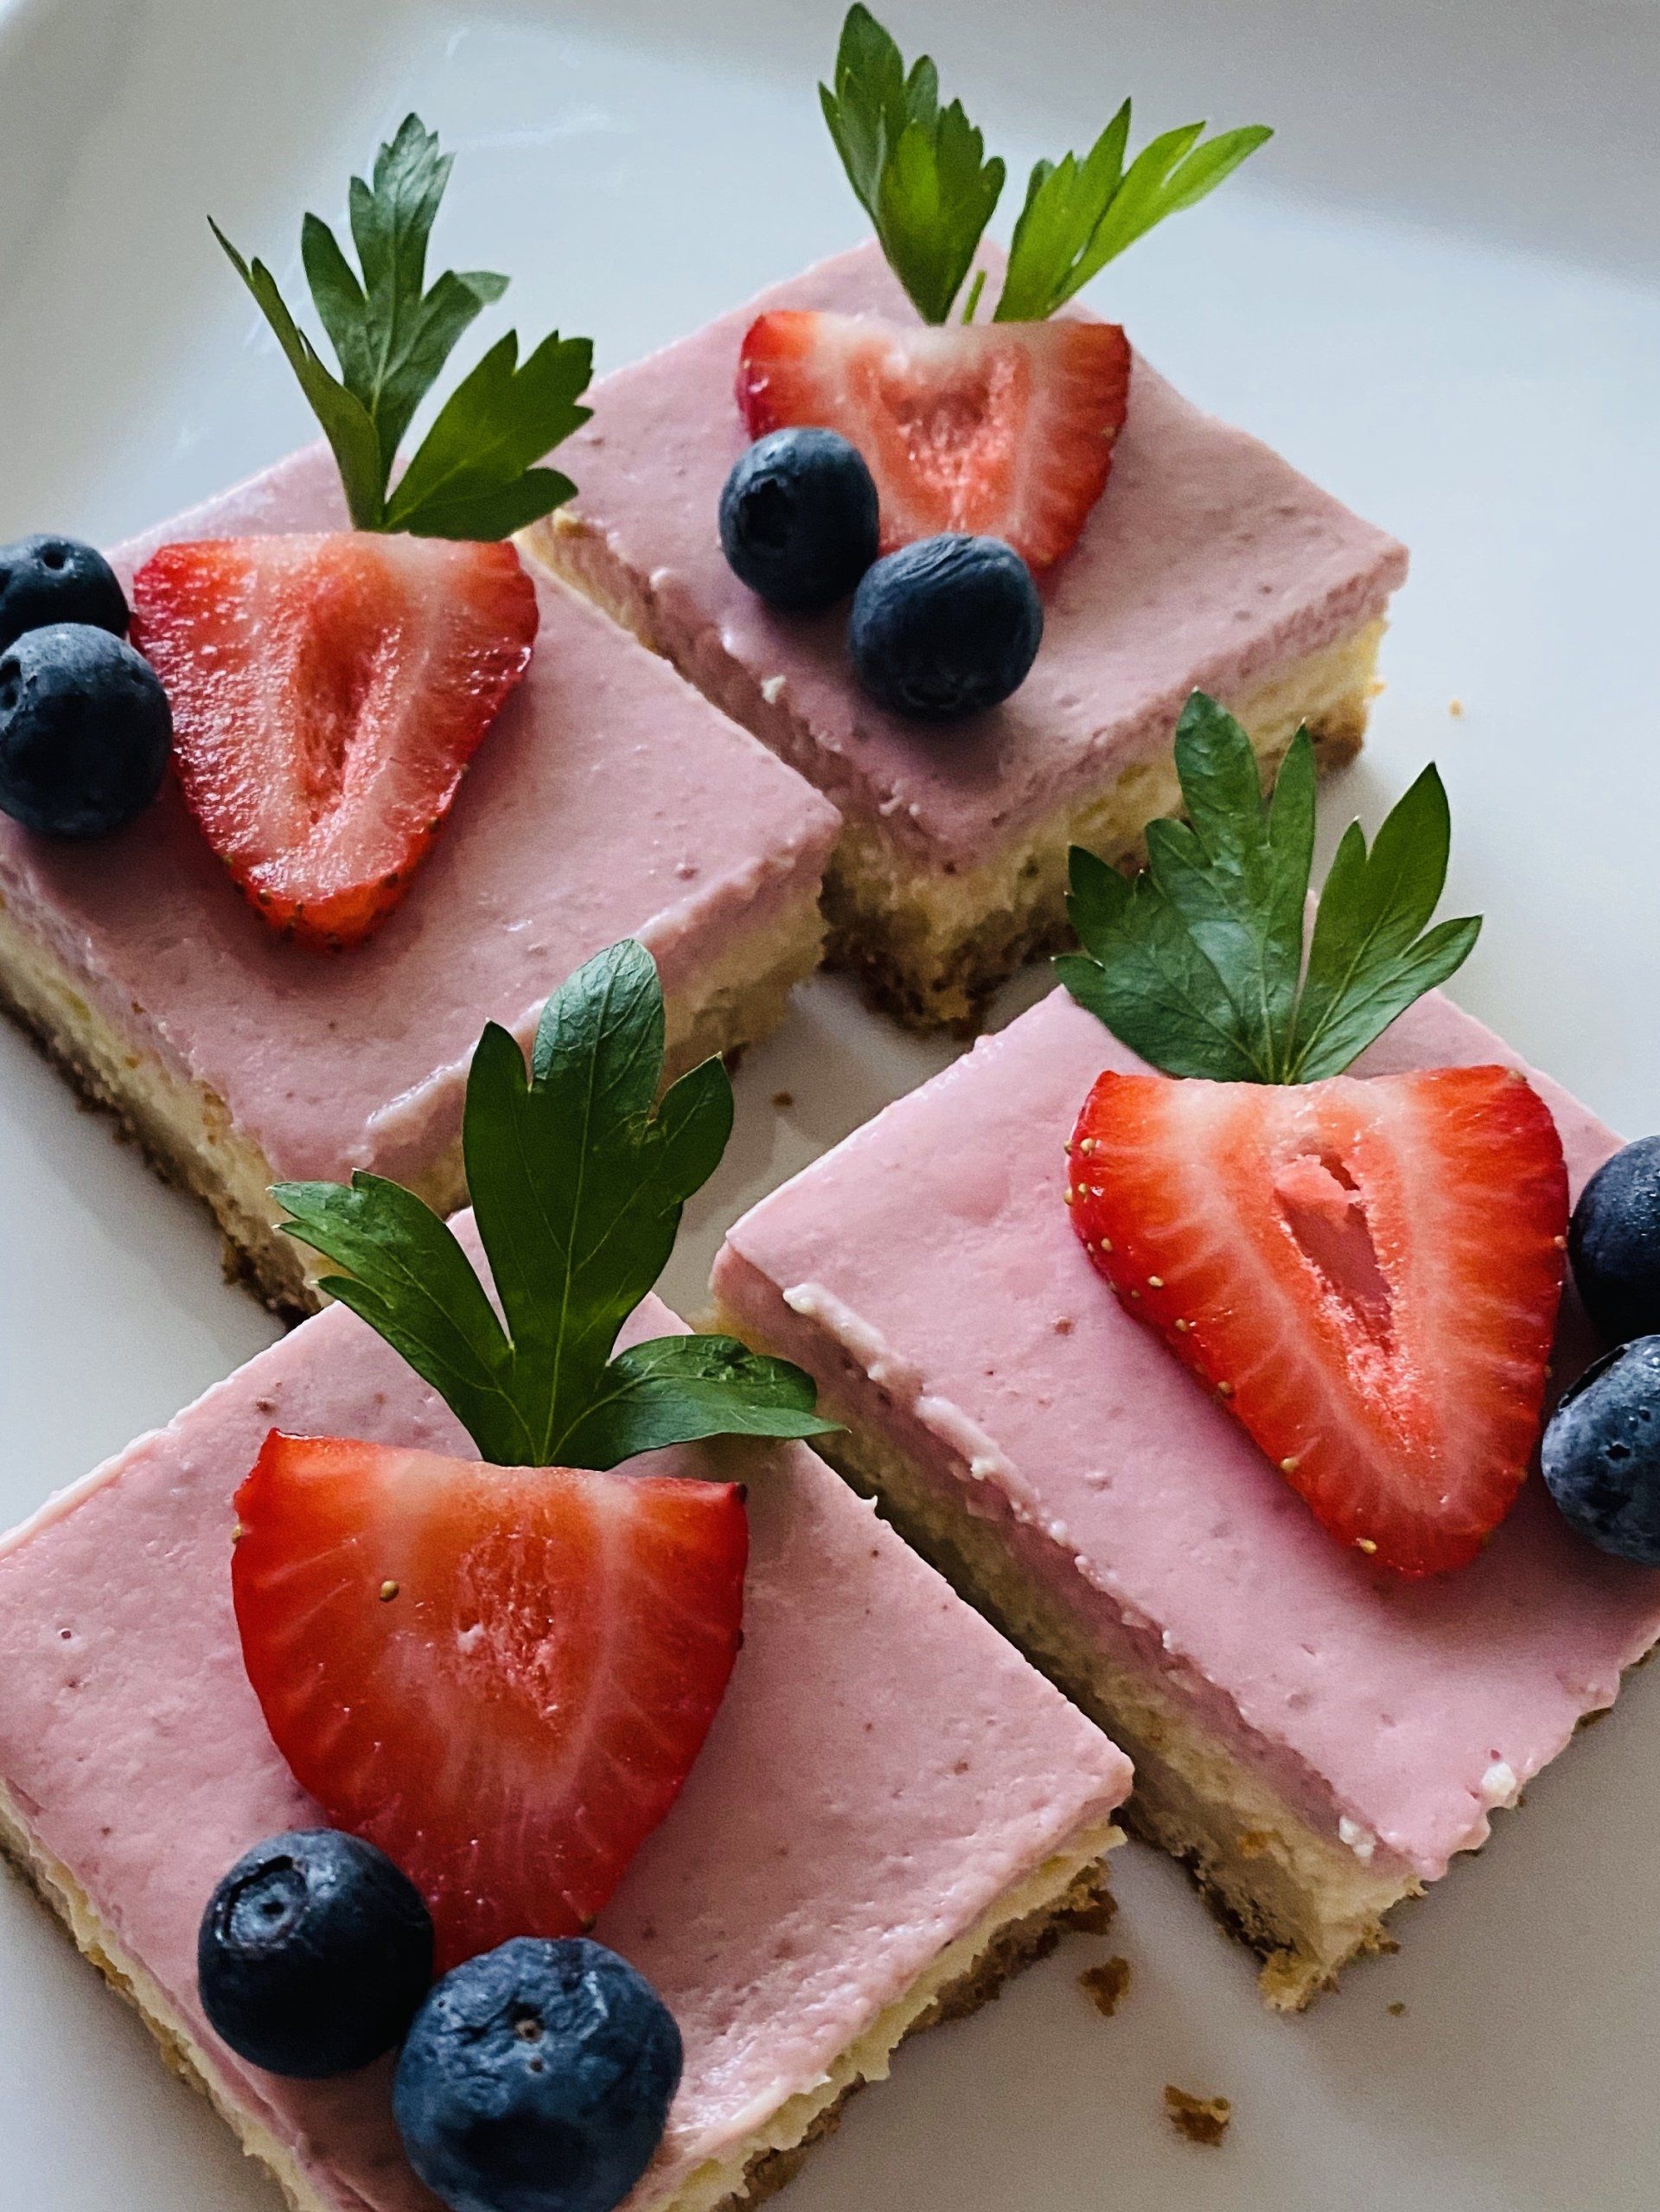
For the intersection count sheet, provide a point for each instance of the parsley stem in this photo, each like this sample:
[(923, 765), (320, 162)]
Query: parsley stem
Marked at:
[(974, 292)]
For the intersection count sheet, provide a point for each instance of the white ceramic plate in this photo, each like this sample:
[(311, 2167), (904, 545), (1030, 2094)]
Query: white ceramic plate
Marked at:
[(1438, 293)]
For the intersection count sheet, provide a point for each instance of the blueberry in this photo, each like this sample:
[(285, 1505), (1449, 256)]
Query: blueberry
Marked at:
[(85, 731), (1614, 1243), (947, 626), (798, 519), (537, 2079), (1601, 1453), (313, 1955), (46, 579)]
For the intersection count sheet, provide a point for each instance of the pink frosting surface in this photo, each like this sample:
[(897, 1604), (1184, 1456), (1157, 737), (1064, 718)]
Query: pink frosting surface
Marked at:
[(884, 1765), (609, 800), (1208, 562), (932, 1252)]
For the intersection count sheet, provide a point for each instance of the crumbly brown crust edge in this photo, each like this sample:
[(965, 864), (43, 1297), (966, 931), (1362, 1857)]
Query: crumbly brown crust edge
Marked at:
[(1087, 1905), (276, 1285), (255, 1253)]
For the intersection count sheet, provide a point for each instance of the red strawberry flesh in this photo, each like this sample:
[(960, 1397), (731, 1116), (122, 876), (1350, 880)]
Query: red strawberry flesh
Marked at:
[(501, 1676), (328, 692), (1004, 430), (1367, 1270)]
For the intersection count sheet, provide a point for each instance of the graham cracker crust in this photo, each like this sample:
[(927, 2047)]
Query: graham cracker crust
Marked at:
[(1085, 1906), (243, 1258)]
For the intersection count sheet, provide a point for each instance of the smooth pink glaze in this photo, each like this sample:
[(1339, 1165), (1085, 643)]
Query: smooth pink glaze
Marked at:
[(1209, 562), (940, 1229), (608, 800), (883, 1766)]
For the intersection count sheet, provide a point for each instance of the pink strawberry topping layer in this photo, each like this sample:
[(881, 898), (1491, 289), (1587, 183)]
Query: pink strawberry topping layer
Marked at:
[(882, 1767), (1209, 562), (608, 800), (928, 1271)]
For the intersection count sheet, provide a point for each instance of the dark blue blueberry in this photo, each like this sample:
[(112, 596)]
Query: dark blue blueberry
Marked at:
[(798, 519), (313, 1955), (537, 2079), (46, 579), (945, 627), (85, 731), (1601, 1453), (1614, 1243)]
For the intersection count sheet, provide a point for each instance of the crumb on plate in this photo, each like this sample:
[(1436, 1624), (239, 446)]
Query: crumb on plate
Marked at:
[(1105, 1986), (1202, 2120)]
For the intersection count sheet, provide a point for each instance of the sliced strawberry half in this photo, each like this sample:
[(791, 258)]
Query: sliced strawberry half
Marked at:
[(1367, 1270), (1002, 429), (326, 693), (501, 1676)]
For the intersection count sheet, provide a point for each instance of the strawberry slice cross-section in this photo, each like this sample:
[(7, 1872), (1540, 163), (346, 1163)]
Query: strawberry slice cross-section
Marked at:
[(328, 692), (1004, 430), (501, 1676), (1366, 1271)]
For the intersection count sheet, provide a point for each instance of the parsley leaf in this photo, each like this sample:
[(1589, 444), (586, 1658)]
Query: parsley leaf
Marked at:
[(1198, 964), (920, 170), (473, 476), (577, 1183), (1368, 962), (412, 1283), (1080, 214), (347, 422), (677, 1389), (922, 175), (392, 336)]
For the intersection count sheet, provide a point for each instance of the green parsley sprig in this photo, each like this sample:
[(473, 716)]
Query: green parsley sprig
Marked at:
[(472, 477), (1079, 215), (1198, 964), (577, 1183), (921, 174), (919, 170)]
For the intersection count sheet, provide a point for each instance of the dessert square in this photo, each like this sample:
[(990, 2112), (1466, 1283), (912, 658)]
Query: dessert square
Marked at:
[(1210, 563), (1314, 1738), (891, 1813), (608, 800)]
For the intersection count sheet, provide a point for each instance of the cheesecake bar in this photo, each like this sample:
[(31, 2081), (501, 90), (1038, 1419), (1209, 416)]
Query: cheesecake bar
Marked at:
[(891, 1813), (608, 800), (1210, 563), (1315, 1739)]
